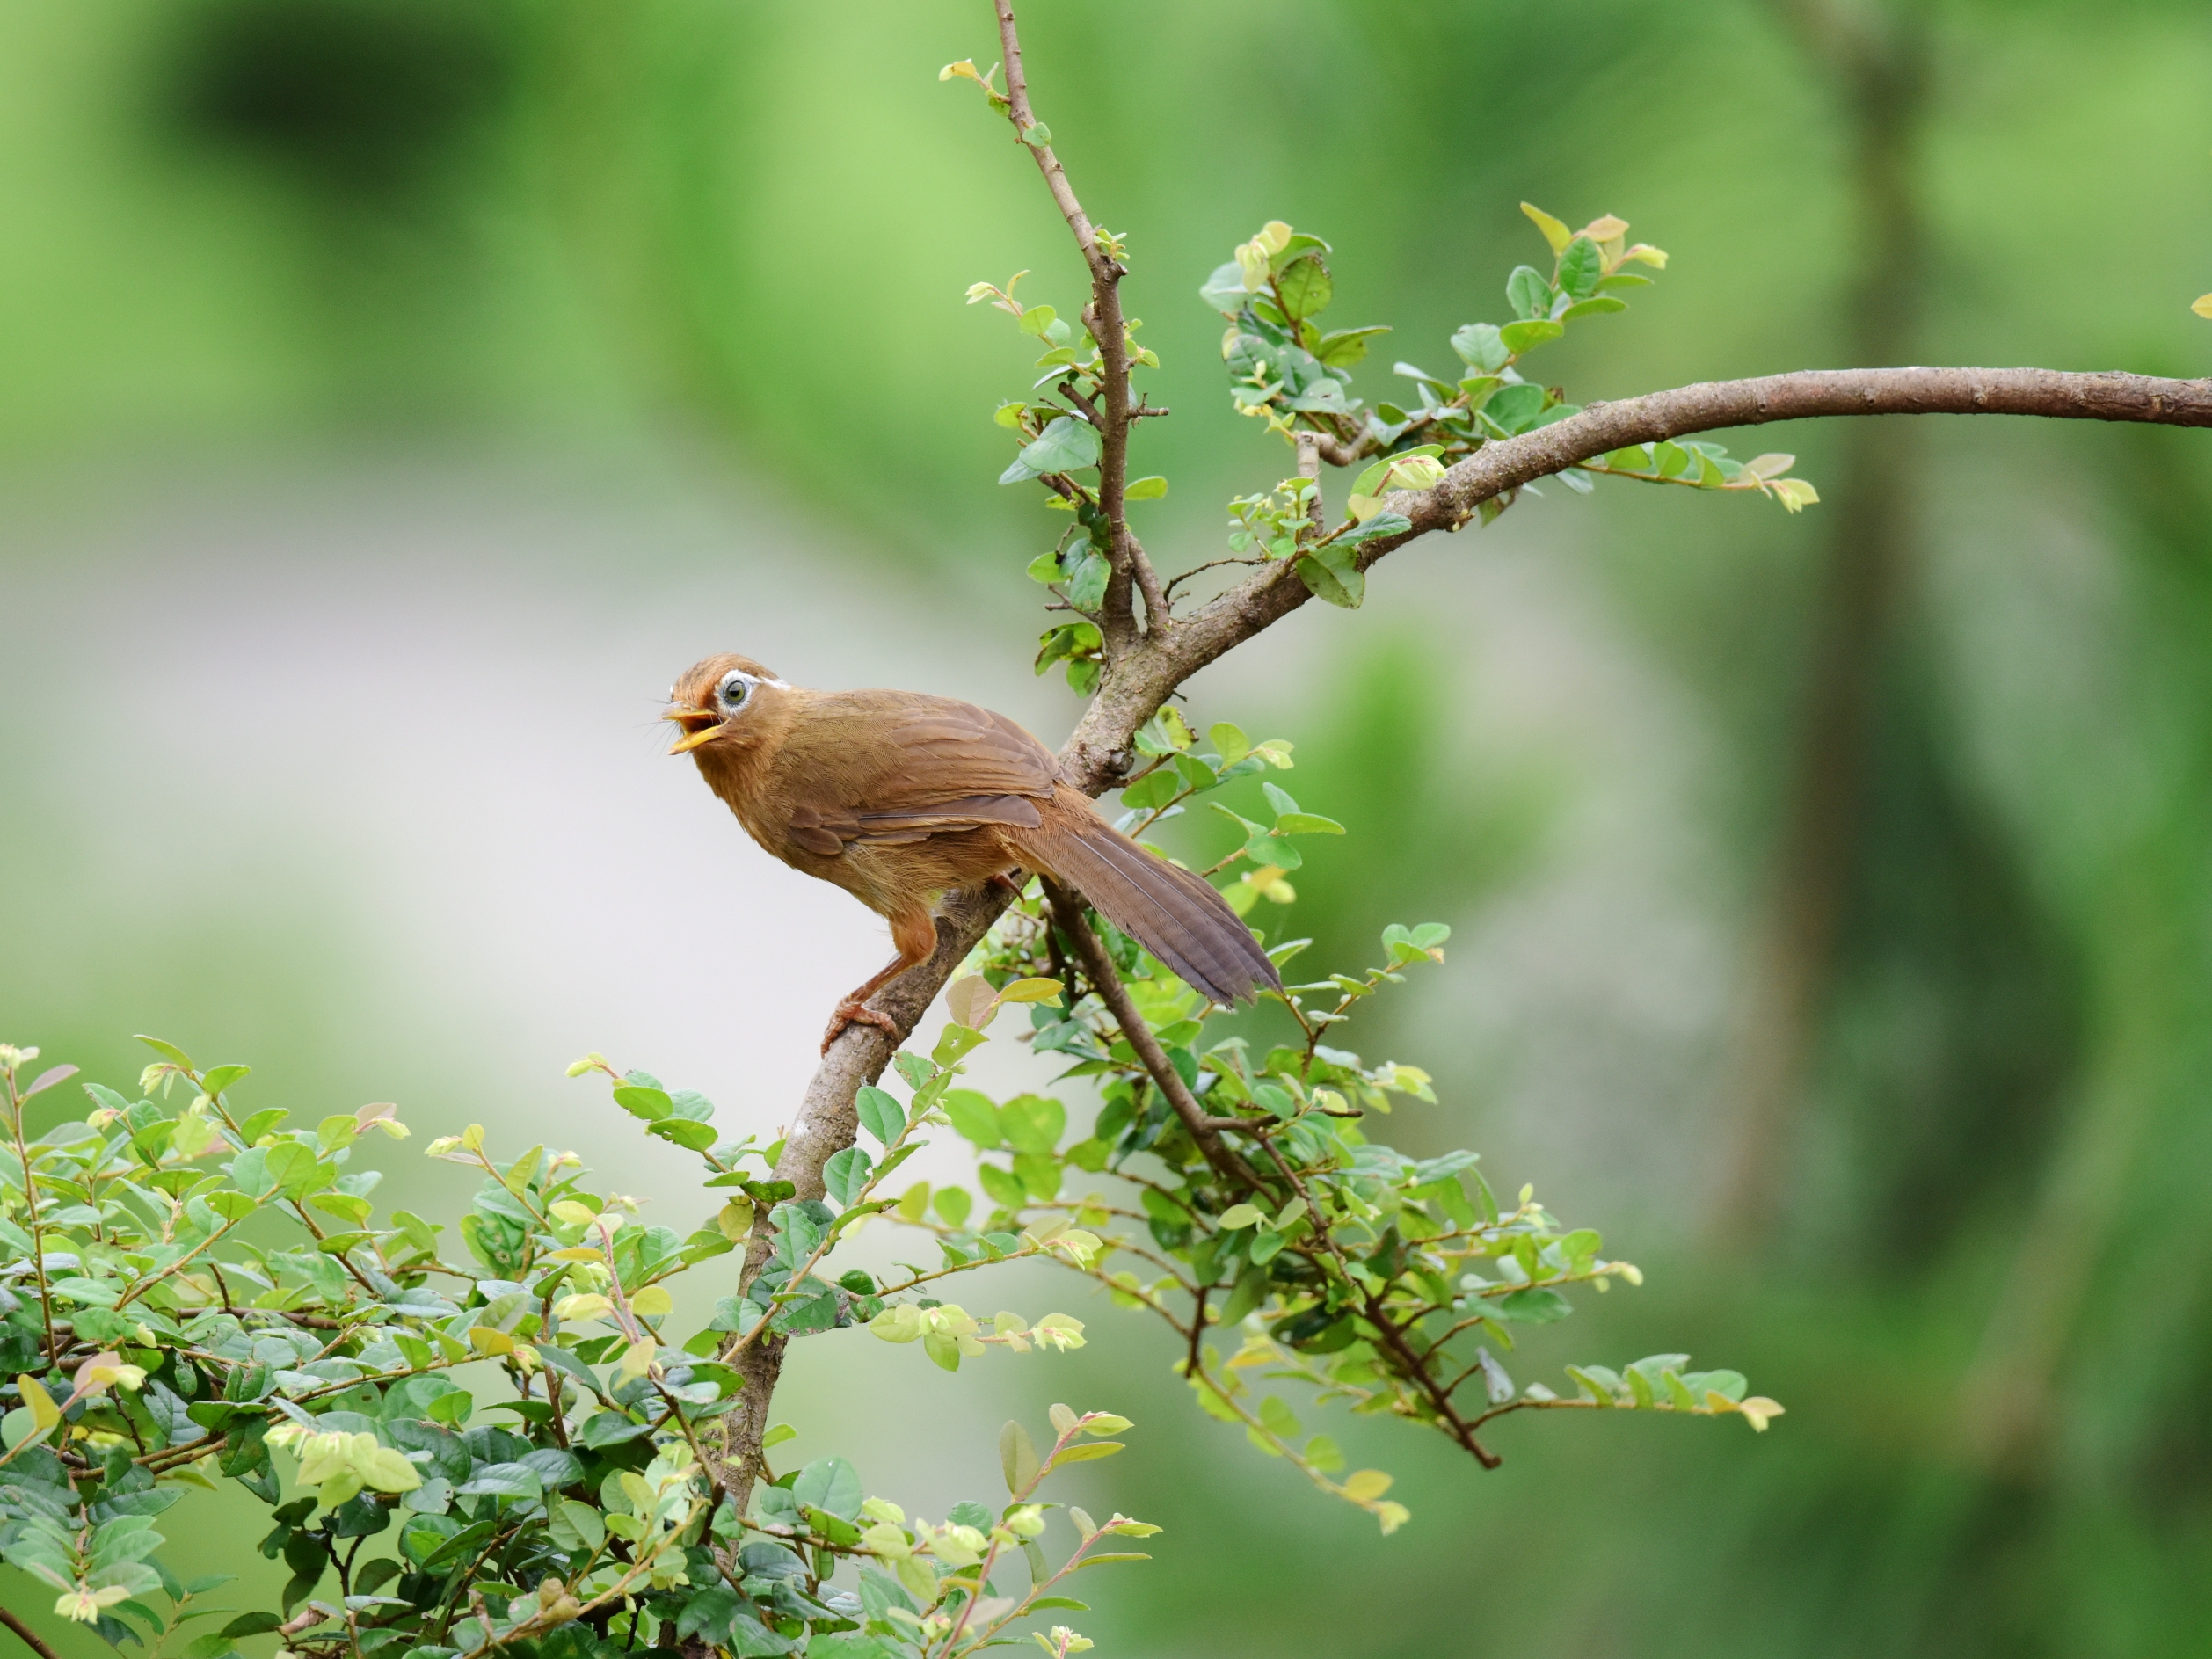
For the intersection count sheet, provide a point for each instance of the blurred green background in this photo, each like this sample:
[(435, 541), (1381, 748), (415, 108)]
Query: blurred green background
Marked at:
[(394, 394)]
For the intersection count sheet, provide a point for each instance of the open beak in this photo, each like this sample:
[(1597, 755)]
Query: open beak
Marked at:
[(698, 725)]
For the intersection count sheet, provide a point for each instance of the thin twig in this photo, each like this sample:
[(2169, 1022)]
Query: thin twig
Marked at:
[(1309, 468), (1210, 565), (1392, 1335), (1103, 317), (1098, 967)]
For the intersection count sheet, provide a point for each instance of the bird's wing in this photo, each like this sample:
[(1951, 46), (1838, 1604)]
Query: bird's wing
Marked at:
[(885, 767)]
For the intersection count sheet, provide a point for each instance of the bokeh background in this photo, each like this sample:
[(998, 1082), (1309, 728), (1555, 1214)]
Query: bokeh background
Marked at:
[(394, 394)]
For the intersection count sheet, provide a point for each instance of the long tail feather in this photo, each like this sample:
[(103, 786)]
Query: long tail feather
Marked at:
[(1173, 913)]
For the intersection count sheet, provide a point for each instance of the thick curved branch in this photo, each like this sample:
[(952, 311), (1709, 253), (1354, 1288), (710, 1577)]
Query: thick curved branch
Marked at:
[(1269, 595)]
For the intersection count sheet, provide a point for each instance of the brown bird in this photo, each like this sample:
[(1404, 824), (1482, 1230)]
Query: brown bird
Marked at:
[(899, 798)]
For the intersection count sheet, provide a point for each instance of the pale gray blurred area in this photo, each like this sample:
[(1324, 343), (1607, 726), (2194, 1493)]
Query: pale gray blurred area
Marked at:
[(354, 772)]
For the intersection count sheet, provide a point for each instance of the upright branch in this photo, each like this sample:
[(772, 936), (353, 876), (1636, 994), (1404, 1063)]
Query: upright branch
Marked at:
[(1102, 317)]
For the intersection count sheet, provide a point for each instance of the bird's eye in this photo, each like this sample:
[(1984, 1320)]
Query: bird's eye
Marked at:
[(734, 691)]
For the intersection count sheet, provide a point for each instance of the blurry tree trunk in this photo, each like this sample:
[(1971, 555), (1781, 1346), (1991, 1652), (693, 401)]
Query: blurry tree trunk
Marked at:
[(1878, 59), (2007, 1401), (2102, 1207)]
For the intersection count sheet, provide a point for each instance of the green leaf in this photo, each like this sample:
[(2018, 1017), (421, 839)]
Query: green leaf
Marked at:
[(1085, 1452), (168, 1051), (829, 1484), (611, 1428), (687, 1132), (220, 1077), (1514, 409), (1532, 1308), (249, 1172), (974, 1117), (20, 1425), (1251, 1291), (1595, 307), (1067, 444), (846, 1173), (1529, 292), (880, 1114), (1520, 337), (1597, 1383), (1005, 1190), (1481, 347), (1154, 790), (505, 1481), (1380, 525), (1018, 1458), (1332, 573), (1032, 1123), (1195, 772), (649, 1103), (1144, 489), (1729, 1384), (1306, 823), (1579, 268), (954, 1203), (955, 1043), (1306, 287), (1341, 348), (1085, 584), (1225, 290)]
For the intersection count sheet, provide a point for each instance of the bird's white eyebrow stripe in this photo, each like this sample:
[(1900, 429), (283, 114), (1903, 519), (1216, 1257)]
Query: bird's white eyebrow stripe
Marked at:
[(755, 680)]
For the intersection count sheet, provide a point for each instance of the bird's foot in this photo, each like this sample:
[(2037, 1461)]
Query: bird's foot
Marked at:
[(859, 1014)]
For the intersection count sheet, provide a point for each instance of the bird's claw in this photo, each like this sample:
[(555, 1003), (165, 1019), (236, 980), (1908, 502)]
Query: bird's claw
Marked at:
[(859, 1014)]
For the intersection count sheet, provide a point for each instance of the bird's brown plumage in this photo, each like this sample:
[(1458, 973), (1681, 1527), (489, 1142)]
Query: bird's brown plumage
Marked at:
[(900, 798)]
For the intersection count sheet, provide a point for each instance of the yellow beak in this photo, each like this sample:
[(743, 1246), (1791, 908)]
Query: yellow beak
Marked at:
[(691, 740)]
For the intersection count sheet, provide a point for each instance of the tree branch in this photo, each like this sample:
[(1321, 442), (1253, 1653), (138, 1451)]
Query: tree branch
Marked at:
[(1269, 595), (31, 1637), (1876, 57), (1098, 968), (1103, 317), (827, 1123)]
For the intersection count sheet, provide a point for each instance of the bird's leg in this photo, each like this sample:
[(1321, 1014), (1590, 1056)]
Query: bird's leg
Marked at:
[(915, 933)]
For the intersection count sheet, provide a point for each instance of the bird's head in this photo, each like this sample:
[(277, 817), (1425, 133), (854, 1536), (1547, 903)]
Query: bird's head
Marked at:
[(718, 699)]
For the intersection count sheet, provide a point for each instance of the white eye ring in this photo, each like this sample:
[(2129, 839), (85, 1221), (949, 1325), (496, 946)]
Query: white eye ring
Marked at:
[(736, 686)]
